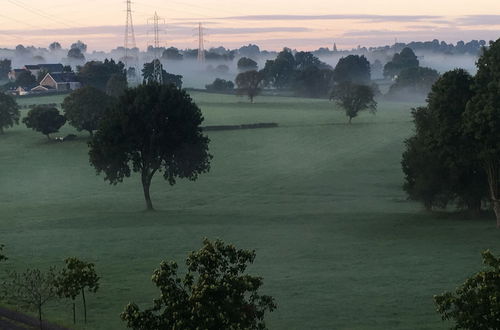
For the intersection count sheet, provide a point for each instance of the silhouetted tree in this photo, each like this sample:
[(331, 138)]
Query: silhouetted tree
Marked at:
[(44, 119), (482, 119), (116, 85), (354, 98), (401, 61), (172, 54), (76, 54), (216, 293), (246, 64), (9, 112), (98, 74), (280, 72), (55, 46), (153, 128), (5, 67), (85, 107), (249, 84), (220, 85), (25, 79), (79, 45), (439, 163), (313, 82), (413, 83), (353, 69)]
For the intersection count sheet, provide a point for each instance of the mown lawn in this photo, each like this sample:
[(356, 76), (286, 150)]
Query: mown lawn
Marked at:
[(337, 242)]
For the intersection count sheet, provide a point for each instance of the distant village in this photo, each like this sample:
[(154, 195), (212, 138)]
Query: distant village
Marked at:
[(54, 78)]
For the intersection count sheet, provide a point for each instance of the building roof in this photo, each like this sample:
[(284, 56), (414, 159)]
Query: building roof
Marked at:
[(52, 67), (18, 70), (64, 77)]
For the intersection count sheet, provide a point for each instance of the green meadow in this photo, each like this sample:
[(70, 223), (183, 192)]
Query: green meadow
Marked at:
[(321, 202)]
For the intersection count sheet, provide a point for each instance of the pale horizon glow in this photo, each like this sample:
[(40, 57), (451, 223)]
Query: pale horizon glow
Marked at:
[(270, 24)]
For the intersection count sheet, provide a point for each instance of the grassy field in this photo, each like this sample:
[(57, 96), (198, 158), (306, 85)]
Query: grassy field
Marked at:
[(337, 242)]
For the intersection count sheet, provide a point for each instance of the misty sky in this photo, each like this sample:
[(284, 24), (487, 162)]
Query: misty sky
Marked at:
[(272, 24)]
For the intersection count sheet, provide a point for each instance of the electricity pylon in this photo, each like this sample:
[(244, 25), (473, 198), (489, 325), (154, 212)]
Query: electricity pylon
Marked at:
[(130, 59), (201, 44), (157, 66)]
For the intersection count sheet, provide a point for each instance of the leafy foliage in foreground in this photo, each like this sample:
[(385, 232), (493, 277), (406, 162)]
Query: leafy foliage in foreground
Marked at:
[(476, 303), (214, 294)]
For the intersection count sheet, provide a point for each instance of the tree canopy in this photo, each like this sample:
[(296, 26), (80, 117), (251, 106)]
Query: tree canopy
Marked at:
[(482, 119), (216, 293), (220, 85), (25, 79), (439, 163), (152, 128), (249, 83), (85, 107), (97, 74), (474, 305), (413, 83), (44, 119), (354, 98), (9, 112), (406, 59), (353, 69), (247, 64)]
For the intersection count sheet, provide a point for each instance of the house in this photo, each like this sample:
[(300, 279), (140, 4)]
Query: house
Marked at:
[(50, 68), (59, 82)]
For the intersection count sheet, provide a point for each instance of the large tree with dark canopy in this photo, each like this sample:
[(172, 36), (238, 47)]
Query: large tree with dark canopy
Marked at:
[(482, 119), (216, 293), (152, 128), (44, 119), (440, 164), (354, 98), (246, 64), (249, 83), (406, 59), (97, 74), (353, 69), (280, 72), (85, 107), (5, 67), (9, 112)]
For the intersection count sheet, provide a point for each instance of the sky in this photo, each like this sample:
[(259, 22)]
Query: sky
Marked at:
[(272, 24)]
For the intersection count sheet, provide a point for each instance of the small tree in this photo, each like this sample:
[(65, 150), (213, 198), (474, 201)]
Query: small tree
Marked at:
[(354, 98), (249, 83), (74, 279), (216, 293), (85, 107), (31, 289), (44, 119), (475, 304), (153, 128), (9, 112)]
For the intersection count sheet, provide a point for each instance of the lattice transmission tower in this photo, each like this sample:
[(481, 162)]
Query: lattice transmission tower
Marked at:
[(201, 44), (129, 40), (158, 67)]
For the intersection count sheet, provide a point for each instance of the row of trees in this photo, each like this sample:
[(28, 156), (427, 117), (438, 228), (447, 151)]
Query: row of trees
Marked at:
[(216, 292), (34, 288), (454, 157)]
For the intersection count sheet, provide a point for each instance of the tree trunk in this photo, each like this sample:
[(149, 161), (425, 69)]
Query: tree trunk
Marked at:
[(74, 312), (40, 315), (146, 184), (350, 120), (91, 133), (1, 130), (492, 172), (84, 306), (48, 137), (496, 208)]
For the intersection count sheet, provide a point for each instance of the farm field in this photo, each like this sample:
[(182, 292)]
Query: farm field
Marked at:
[(321, 202)]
